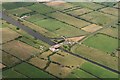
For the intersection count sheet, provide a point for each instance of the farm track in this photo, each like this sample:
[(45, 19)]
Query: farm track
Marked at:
[(47, 40)]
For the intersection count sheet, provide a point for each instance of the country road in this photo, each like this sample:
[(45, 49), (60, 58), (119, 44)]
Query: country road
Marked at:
[(47, 40)]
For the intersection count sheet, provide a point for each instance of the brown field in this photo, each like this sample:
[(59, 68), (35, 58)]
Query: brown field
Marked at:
[(2, 66), (8, 59), (8, 34), (58, 71), (112, 11), (55, 3), (67, 60), (20, 49), (91, 28), (45, 54), (75, 39), (38, 62)]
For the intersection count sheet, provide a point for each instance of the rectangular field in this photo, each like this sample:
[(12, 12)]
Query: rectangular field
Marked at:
[(8, 59), (11, 73), (59, 28), (20, 49), (96, 55), (31, 71), (101, 42), (40, 8), (8, 34), (98, 71), (100, 18), (69, 19), (19, 11)]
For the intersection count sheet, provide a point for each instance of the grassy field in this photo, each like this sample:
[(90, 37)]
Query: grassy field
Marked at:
[(100, 18), (13, 5), (69, 19), (110, 4), (98, 71), (58, 70), (101, 42), (35, 17), (110, 31), (79, 11), (8, 34), (96, 55), (32, 71), (78, 73), (40, 8), (109, 10), (19, 11), (67, 59), (60, 28), (8, 59), (91, 5), (20, 49), (36, 60), (11, 73)]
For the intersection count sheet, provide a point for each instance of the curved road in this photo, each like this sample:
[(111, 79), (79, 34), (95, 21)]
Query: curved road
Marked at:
[(47, 40)]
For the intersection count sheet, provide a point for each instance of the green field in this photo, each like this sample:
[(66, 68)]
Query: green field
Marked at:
[(35, 17), (100, 18), (89, 5), (19, 11), (110, 4), (60, 28), (102, 42), (13, 5), (69, 19), (98, 71), (31, 71), (78, 73), (40, 8), (11, 73)]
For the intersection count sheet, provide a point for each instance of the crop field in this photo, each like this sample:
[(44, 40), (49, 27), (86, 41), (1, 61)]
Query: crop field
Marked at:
[(69, 19), (96, 55), (67, 60), (88, 5), (18, 49), (91, 28), (19, 11), (100, 18), (60, 5), (35, 61), (79, 12), (101, 42), (8, 59), (59, 39), (5, 35), (40, 8), (112, 11), (110, 31), (58, 70)]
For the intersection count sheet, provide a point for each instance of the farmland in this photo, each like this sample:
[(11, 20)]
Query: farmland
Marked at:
[(59, 39)]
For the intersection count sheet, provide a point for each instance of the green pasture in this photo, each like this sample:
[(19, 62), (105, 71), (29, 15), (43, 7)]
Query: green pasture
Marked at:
[(32, 71), (102, 42)]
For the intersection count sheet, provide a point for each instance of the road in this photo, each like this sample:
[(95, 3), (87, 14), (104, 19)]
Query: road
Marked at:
[(47, 40)]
